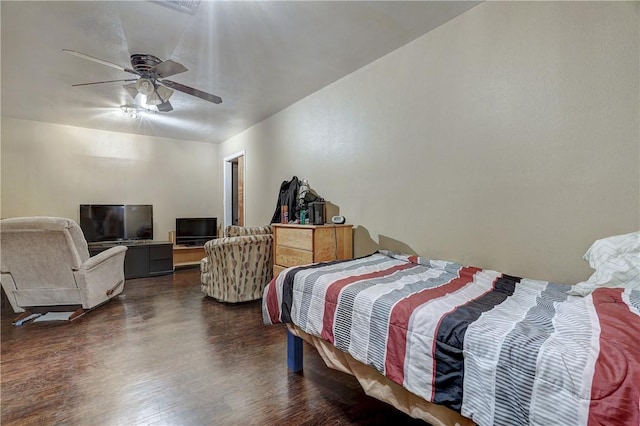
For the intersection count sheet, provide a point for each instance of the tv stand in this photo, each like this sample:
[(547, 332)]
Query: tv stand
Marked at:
[(188, 253), (143, 259)]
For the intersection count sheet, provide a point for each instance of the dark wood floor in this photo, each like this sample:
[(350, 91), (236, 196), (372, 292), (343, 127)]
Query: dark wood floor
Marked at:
[(162, 354)]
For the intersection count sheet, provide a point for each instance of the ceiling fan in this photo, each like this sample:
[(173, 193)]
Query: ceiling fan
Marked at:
[(151, 80)]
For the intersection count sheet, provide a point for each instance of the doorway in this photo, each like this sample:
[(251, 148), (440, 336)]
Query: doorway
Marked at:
[(234, 175)]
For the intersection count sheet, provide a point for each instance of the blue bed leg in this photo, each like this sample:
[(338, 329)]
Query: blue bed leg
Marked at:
[(294, 352)]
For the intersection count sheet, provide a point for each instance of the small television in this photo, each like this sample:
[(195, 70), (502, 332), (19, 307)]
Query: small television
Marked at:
[(116, 222), (195, 230)]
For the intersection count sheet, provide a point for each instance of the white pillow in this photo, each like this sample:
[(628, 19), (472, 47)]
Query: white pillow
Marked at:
[(616, 261)]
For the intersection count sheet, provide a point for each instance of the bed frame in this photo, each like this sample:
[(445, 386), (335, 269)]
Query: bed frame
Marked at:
[(373, 383)]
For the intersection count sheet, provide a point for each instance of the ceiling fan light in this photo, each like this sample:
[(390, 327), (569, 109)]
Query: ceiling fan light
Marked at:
[(145, 86), (164, 93), (132, 89), (154, 99)]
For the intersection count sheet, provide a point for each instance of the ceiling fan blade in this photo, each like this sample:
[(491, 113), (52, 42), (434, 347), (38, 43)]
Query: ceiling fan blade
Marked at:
[(132, 89), (191, 91), (168, 68), (98, 60), (165, 107), (100, 82)]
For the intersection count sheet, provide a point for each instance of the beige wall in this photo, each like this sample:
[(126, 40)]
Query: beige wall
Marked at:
[(507, 138), (50, 169)]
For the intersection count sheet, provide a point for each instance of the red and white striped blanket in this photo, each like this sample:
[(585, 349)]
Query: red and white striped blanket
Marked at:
[(498, 349)]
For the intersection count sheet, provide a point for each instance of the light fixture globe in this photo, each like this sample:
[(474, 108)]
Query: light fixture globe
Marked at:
[(164, 93), (145, 86), (155, 94), (153, 99)]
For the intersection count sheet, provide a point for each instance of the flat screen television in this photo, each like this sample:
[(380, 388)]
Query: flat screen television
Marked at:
[(115, 222), (196, 230)]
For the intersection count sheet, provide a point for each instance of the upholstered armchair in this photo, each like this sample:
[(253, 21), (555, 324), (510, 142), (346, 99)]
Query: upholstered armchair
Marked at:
[(44, 261), (239, 265)]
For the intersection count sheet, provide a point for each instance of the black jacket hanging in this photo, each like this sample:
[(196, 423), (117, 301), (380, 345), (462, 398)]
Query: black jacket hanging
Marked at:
[(288, 197)]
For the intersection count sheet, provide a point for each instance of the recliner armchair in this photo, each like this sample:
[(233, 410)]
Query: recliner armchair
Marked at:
[(44, 261), (239, 265)]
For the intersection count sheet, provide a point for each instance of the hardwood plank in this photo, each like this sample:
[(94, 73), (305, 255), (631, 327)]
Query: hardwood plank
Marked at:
[(162, 354)]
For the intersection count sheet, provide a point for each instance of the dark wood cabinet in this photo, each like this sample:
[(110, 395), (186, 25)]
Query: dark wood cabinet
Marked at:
[(143, 259)]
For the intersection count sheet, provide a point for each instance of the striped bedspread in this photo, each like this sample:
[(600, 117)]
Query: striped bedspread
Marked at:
[(498, 349)]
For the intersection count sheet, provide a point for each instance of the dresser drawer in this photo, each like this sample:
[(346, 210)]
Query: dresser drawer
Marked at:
[(301, 238), (287, 256)]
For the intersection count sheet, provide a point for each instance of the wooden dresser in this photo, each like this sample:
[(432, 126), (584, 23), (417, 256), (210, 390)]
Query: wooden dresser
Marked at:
[(295, 245)]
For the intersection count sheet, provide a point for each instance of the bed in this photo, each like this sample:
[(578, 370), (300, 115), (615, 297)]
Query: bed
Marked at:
[(454, 344)]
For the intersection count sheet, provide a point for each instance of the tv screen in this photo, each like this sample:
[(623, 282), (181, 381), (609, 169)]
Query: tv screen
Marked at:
[(113, 222), (138, 221), (196, 228), (102, 222)]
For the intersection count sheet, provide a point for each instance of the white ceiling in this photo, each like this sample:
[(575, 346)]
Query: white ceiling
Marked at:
[(259, 56)]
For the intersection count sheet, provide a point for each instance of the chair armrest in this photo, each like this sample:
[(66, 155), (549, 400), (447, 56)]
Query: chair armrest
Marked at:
[(104, 256), (223, 247), (244, 231), (101, 277)]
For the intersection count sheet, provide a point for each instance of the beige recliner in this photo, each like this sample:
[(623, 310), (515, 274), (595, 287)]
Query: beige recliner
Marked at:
[(44, 261), (239, 265)]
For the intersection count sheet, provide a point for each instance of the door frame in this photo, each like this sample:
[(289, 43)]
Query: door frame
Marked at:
[(228, 190)]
